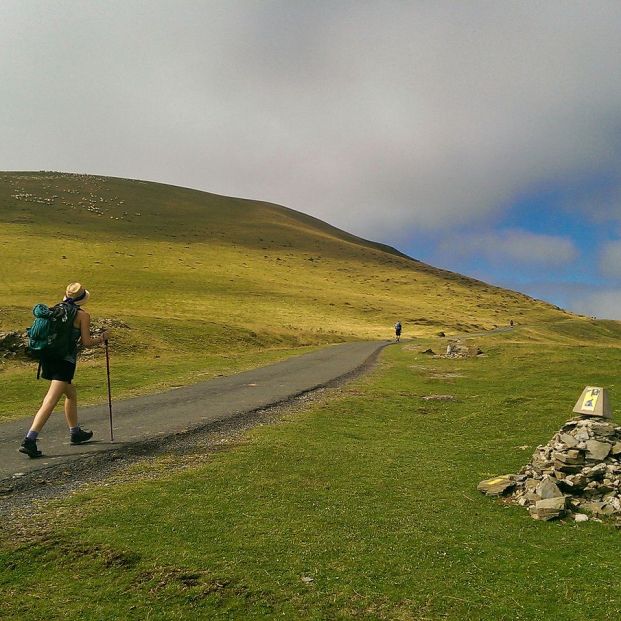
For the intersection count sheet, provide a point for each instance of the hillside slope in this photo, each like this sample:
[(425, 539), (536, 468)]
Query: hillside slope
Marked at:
[(155, 250), (201, 279)]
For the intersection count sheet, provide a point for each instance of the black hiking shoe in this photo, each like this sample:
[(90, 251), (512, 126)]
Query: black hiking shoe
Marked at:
[(81, 436), (29, 447)]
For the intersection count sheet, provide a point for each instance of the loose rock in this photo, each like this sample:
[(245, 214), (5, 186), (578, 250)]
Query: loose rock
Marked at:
[(440, 398), (497, 486), (549, 508), (597, 450), (457, 349)]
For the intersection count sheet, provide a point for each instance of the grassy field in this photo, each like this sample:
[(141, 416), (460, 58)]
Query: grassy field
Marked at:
[(209, 284), (363, 506)]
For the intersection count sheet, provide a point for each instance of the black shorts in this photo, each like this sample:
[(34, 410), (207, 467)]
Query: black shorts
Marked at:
[(56, 369)]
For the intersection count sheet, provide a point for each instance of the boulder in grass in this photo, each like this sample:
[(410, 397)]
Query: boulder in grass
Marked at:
[(497, 486)]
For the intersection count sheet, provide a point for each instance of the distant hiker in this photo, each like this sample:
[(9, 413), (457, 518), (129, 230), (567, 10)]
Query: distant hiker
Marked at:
[(511, 323), (398, 331), (61, 327)]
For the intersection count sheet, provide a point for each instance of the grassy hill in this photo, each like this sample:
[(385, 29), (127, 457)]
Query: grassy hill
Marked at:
[(209, 284)]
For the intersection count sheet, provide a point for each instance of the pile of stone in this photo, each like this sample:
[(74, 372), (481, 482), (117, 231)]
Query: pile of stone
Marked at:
[(457, 349), (98, 326), (13, 344), (576, 474)]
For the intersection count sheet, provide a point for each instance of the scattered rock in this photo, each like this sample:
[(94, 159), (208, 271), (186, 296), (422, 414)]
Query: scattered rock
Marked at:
[(548, 489), (457, 349), (549, 508), (597, 450), (440, 398), (429, 351), (444, 376), (598, 508), (497, 486), (13, 344), (568, 440)]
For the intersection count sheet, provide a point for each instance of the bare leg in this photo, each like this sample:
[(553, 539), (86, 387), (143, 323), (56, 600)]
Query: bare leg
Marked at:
[(54, 393), (71, 405)]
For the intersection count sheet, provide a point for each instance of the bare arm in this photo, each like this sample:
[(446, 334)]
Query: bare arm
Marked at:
[(85, 331)]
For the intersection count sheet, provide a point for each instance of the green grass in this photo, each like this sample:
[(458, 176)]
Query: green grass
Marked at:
[(203, 279), (372, 494)]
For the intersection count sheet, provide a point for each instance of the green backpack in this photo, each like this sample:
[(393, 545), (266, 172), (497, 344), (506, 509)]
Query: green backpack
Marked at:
[(51, 334)]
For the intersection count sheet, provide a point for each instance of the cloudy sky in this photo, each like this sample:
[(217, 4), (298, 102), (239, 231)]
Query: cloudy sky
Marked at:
[(479, 136)]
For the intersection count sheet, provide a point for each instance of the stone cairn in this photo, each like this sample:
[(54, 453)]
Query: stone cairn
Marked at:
[(13, 344), (457, 349), (576, 474)]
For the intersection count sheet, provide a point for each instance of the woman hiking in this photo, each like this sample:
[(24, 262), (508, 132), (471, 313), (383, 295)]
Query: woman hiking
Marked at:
[(60, 372)]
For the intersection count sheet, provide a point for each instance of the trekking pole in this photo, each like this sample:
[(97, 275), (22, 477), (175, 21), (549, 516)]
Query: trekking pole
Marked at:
[(109, 390)]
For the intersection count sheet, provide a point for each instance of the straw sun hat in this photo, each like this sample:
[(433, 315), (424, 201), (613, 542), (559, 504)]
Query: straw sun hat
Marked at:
[(76, 293)]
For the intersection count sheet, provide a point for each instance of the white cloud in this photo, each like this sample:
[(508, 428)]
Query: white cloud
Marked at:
[(513, 245), (378, 117), (610, 259), (603, 303)]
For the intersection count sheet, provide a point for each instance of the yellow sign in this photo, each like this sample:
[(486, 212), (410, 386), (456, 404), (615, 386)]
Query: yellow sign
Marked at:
[(590, 399), (594, 401)]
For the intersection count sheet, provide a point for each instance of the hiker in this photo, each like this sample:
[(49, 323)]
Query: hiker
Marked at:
[(398, 331), (60, 371)]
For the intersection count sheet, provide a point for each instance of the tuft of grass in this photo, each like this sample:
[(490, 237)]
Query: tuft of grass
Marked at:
[(361, 506)]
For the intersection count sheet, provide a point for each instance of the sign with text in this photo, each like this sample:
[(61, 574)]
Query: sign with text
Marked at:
[(593, 402)]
